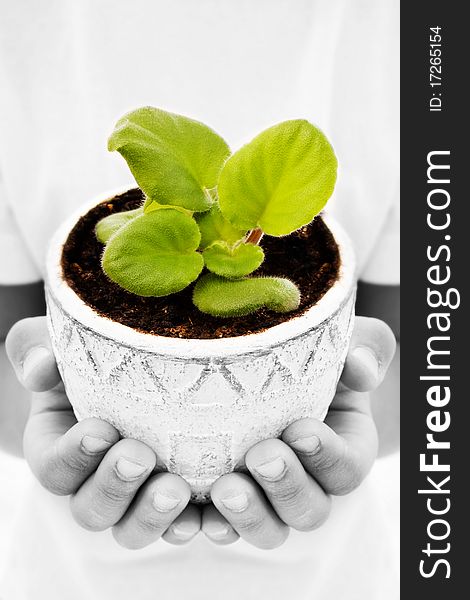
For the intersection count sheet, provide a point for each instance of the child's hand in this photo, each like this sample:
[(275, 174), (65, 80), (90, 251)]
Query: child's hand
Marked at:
[(109, 479), (105, 475), (292, 479)]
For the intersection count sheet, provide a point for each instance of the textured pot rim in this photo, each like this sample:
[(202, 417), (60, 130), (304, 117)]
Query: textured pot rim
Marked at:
[(313, 318)]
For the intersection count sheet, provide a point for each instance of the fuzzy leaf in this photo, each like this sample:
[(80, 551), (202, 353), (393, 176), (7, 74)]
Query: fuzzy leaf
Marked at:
[(221, 297), (155, 254), (175, 160), (151, 206), (109, 225), (214, 227), (280, 180), (222, 259)]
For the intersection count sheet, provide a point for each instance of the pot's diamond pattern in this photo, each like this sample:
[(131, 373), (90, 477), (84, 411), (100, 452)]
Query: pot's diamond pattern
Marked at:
[(214, 387), (200, 416)]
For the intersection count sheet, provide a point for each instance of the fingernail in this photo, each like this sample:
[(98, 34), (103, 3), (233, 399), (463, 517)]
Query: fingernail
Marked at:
[(272, 470), (128, 469), (164, 503), (33, 359), (183, 533), (237, 503), (94, 445), (307, 445), (368, 360), (219, 533)]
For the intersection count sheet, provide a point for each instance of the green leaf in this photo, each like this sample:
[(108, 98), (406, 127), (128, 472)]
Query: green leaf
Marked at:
[(280, 180), (155, 254), (221, 297), (175, 160), (214, 227), (222, 259), (151, 206), (109, 225)]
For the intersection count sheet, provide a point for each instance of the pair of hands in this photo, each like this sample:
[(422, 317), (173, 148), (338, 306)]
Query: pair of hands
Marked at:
[(112, 483)]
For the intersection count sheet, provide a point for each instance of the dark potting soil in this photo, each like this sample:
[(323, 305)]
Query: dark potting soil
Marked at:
[(308, 257)]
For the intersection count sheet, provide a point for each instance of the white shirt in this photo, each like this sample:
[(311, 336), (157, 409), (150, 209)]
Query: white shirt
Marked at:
[(68, 71)]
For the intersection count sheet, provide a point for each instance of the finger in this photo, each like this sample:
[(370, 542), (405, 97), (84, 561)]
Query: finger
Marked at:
[(370, 352), (61, 452), (185, 527), (160, 500), (242, 502), (340, 452), (104, 498), (29, 349), (216, 527), (295, 496)]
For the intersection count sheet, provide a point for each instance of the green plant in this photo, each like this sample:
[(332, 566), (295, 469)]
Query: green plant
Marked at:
[(207, 208)]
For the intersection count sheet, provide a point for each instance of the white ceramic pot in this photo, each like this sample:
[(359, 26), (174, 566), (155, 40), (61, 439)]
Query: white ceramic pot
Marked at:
[(200, 404)]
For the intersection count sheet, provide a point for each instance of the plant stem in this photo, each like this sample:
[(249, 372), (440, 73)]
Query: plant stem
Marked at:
[(254, 237)]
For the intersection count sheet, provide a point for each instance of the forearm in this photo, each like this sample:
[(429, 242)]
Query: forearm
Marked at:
[(383, 302), (16, 302), (386, 408), (14, 408)]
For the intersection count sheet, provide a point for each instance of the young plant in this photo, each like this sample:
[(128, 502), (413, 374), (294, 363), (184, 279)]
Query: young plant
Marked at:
[(206, 208)]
